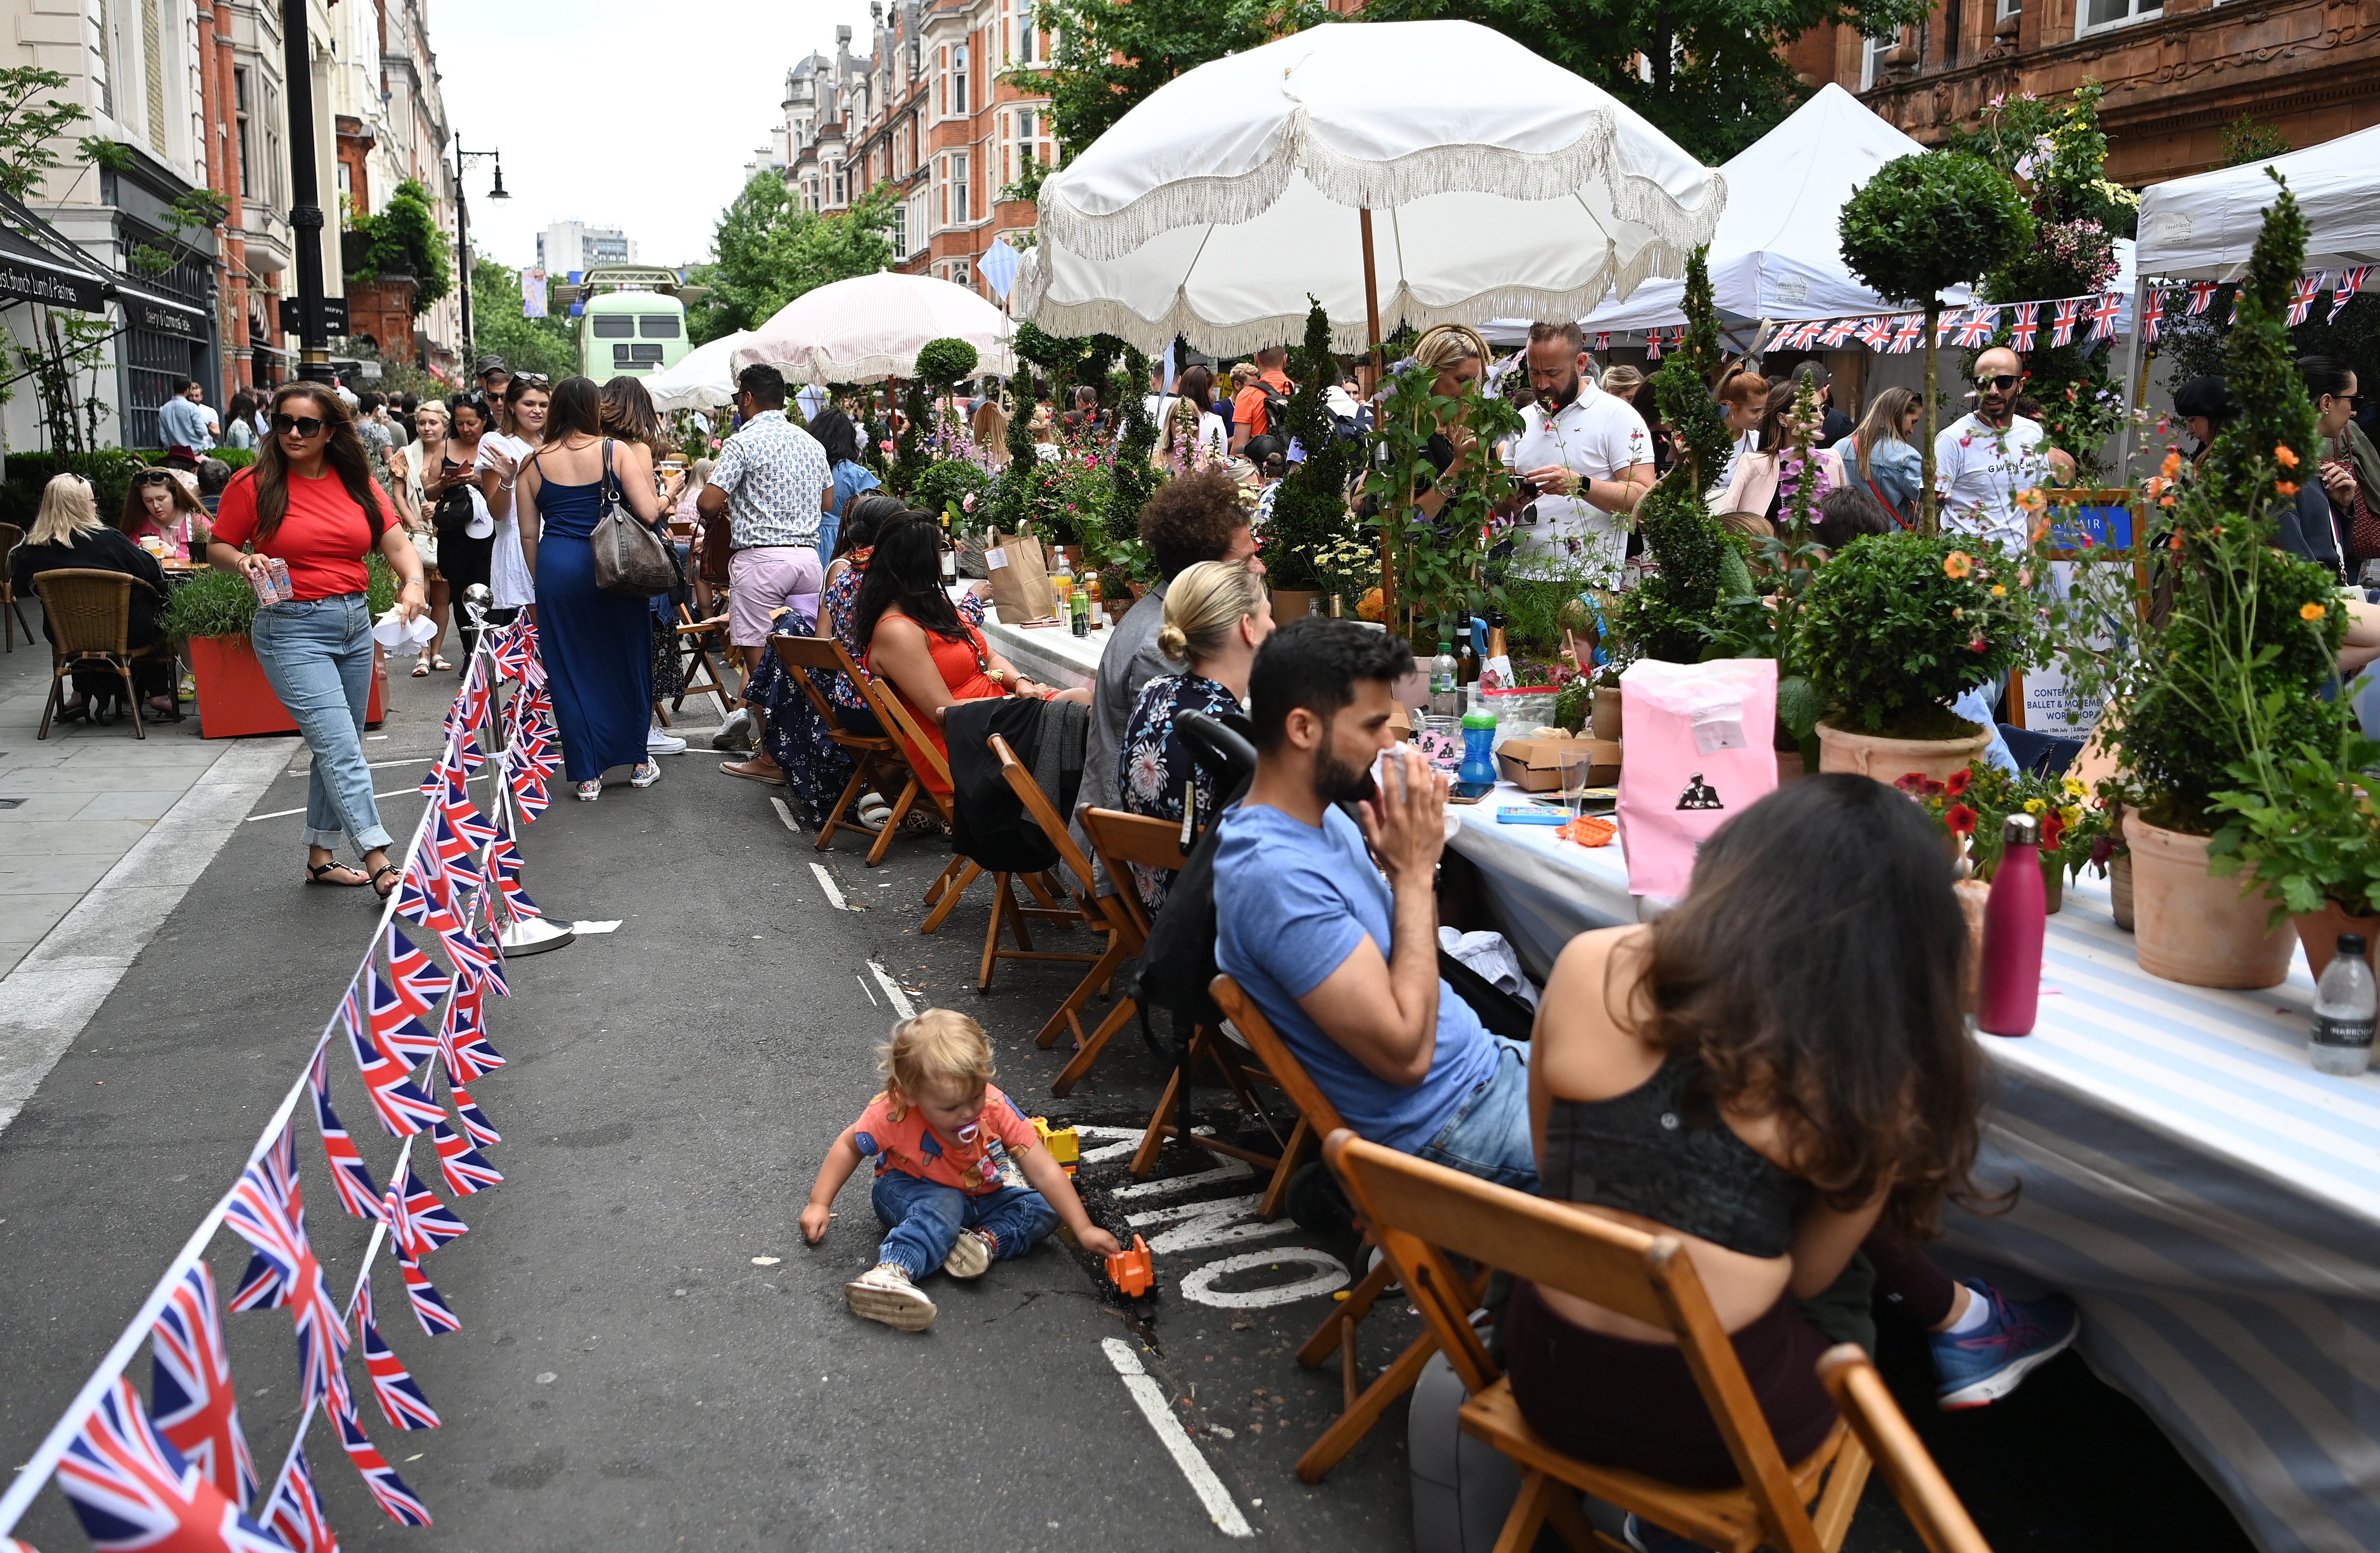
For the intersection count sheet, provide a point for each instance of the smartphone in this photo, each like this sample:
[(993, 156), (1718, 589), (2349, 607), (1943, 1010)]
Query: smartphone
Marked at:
[(1470, 792)]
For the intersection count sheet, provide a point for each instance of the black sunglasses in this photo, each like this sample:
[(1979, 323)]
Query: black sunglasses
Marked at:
[(537, 377), (304, 425), (2353, 401), (2003, 382), (152, 476)]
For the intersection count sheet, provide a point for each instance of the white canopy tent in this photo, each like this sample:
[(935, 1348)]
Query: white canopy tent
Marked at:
[(871, 327), (1365, 166), (704, 380), (2202, 227)]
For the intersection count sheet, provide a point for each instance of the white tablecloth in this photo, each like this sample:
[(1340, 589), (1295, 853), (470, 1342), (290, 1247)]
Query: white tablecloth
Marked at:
[(1052, 654), (2212, 1201)]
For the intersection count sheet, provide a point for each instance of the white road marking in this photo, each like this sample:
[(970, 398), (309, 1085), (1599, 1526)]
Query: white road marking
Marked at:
[(393, 793), (1229, 1169), (1150, 1399), (1328, 1273), (1123, 1141), (1226, 1221), (785, 814), (893, 993), (863, 986), (826, 882), (583, 929)]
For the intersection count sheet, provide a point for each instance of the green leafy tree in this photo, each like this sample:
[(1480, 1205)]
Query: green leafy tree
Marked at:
[(2246, 141), (1113, 53), (33, 116), (401, 238), (527, 344), (770, 248), (1310, 508), (1133, 477), (1922, 225)]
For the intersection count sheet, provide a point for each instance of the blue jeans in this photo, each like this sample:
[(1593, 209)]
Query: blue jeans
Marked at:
[(316, 655), (926, 1219), (1488, 1135)]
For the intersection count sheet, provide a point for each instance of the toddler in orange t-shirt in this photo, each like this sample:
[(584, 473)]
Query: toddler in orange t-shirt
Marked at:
[(961, 1178)]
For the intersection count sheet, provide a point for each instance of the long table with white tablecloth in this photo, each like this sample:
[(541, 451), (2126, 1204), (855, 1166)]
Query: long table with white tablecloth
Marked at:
[(2212, 1201)]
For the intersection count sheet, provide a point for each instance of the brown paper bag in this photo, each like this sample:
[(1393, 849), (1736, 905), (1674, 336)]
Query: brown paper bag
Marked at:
[(1020, 583)]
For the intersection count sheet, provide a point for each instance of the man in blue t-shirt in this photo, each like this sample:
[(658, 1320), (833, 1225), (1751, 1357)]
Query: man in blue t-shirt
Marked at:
[(1343, 961)]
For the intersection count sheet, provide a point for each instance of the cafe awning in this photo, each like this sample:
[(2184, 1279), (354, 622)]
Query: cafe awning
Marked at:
[(31, 272)]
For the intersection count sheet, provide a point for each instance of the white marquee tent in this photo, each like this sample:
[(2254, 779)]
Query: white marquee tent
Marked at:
[(2202, 227)]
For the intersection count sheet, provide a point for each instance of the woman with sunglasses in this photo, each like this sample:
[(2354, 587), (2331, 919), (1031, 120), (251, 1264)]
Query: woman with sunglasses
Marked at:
[(520, 421), (309, 501), (158, 504)]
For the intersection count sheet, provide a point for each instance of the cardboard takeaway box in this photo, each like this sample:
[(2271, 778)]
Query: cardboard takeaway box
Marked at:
[(1535, 765)]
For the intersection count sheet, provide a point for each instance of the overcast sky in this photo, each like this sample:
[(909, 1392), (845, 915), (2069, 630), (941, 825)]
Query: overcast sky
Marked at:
[(638, 115)]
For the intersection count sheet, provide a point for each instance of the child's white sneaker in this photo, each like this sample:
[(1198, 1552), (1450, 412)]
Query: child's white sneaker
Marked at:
[(971, 1257), (885, 1294)]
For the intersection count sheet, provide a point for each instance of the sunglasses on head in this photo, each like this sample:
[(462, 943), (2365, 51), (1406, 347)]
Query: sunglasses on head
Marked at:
[(535, 380), (304, 425), (2003, 382), (152, 476)]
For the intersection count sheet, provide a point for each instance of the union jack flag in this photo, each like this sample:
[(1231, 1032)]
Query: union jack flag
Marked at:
[(466, 1172), (430, 1307), (2350, 283), (396, 1030), (2070, 311), (358, 1194), (2152, 316), (467, 1111), (269, 1212), (463, 1037), (529, 796), (132, 1490), (1807, 335), (2301, 295), (1978, 327), (1603, 340), (478, 963), (1652, 344), (1946, 323), (414, 900), (296, 1510), (388, 1490), (2202, 296), (2104, 312), (198, 1407), (468, 821), (429, 1222), (455, 855), (2027, 325), (1838, 332), (1875, 332), (2235, 306), (403, 1110), (400, 1396), (420, 981), (1905, 335)]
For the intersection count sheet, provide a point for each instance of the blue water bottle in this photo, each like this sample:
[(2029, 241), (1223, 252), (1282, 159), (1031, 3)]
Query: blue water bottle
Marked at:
[(1478, 747)]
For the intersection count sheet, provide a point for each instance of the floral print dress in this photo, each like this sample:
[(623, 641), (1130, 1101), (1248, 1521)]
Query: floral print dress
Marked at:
[(1154, 764)]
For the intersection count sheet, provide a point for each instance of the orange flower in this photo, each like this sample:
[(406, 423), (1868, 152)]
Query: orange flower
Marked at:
[(2154, 484), (2311, 612), (2289, 460), (1999, 590), (2031, 500), (2174, 543), (2285, 487), (1958, 563), (2172, 465)]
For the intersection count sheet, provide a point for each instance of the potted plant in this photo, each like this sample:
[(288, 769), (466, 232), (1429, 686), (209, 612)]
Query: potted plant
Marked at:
[(1309, 511), (2306, 827), (1973, 805), (211, 613), (1889, 632)]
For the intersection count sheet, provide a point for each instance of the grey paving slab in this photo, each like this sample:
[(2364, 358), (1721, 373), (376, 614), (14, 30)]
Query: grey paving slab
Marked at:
[(68, 838), (144, 805), (48, 871)]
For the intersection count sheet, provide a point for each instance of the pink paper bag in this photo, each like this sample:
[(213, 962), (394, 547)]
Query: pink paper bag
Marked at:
[(1700, 750)]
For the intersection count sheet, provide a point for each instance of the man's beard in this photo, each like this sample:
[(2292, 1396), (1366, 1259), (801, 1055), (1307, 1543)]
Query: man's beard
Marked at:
[(1336, 781), (1561, 398)]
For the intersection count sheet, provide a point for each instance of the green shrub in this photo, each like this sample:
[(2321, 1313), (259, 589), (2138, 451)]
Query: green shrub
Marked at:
[(945, 361), (946, 483), (1897, 625), (109, 471), (211, 603)]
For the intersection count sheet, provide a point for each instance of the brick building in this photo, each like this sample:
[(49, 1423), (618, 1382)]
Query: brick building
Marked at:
[(2177, 71)]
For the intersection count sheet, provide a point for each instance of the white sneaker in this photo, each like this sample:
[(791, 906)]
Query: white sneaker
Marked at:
[(885, 1294), (971, 1257), (646, 774), (735, 734), (659, 743), (590, 790)]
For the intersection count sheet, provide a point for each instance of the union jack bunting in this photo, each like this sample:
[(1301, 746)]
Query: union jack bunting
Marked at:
[(1875, 332), (268, 1211), (415, 900), (1977, 328), (296, 1510), (463, 1038), (1603, 342), (2350, 283), (198, 1407), (1946, 323), (358, 1194), (132, 1490), (403, 1109), (478, 967), (468, 821), (2152, 316), (442, 770), (2104, 312), (400, 1396), (396, 1030), (465, 1171), (2302, 295), (1652, 344), (430, 1307), (456, 856), (430, 1222), (1807, 335), (529, 796), (2061, 330), (420, 981), (2202, 296), (388, 1490), (1905, 335), (1838, 331), (2027, 325), (465, 751), (467, 1111)]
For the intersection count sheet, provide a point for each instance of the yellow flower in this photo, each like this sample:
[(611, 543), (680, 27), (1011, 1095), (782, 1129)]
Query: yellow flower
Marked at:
[(2311, 612), (2075, 789), (2036, 805), (1999, 590), (1958, 563), (2289, 460), (2071, 813)]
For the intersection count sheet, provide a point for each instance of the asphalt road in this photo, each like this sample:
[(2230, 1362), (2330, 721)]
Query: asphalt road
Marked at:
[(629, 1374)]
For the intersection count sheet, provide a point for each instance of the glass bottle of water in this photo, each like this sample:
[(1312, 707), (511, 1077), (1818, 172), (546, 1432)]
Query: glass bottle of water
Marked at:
[(2344, 1005), (1444, 699)]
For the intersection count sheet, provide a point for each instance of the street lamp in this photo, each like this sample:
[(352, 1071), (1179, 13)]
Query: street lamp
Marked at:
[(463, 237)]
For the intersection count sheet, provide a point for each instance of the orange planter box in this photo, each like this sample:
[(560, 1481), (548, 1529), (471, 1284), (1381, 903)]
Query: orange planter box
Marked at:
[(235, 699)]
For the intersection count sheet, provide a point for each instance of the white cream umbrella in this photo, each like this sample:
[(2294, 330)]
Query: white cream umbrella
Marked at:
[(703, 379), (871, 327), (1425, 172)]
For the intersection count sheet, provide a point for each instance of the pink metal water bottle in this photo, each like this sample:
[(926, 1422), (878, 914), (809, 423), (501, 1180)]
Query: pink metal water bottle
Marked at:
[(2015, 919)]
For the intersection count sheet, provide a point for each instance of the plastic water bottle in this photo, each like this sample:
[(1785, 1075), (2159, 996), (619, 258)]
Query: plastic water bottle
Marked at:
[(1444, 700), (1478, 747), (2343, 1009), (2016, 918)]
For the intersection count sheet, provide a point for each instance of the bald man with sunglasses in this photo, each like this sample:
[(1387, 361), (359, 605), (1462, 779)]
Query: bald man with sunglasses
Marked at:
[(1983, 459)]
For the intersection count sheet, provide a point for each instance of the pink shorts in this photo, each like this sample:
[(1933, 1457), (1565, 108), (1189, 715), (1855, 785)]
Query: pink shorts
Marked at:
[(762, 580)]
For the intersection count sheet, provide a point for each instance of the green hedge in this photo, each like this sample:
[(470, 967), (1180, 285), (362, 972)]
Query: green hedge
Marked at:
[(110, 472)]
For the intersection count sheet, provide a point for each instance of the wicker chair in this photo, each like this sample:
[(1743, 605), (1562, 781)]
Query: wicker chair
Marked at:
[(89, 614), (12, 613)]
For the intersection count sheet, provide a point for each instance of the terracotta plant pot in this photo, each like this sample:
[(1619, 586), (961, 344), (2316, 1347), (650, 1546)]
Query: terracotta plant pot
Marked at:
[(2194, 928), (2120, 889), (1887, 761), (1605, 716), (2319, 930), (234, 699)]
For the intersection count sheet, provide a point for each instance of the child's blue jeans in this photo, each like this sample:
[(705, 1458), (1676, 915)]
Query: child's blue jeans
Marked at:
[(926, 1219)]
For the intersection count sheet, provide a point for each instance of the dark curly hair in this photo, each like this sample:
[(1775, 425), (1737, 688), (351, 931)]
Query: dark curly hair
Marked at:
[(1192, 518)]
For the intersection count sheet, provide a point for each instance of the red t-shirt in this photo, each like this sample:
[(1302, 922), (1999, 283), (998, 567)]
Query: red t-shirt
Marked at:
[(323, 536), (976, 1165)]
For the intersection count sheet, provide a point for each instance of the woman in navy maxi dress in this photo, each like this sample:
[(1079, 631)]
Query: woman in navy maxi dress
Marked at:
[(597, 646)]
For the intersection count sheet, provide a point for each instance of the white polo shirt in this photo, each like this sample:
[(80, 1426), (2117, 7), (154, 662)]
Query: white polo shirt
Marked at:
[(1595, 436), (1979, 469)]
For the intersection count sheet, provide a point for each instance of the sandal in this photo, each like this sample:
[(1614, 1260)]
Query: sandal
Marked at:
[(314, 872), (391, 871), (441, 664), (421, 669)]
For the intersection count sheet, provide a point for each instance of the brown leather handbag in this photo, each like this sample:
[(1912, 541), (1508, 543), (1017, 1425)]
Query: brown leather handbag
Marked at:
[(714, 542)]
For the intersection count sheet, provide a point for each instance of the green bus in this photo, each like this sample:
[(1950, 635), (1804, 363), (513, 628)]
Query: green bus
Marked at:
[(631, 320)]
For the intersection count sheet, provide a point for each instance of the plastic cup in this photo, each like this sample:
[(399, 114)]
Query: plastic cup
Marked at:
[(1574, 766)]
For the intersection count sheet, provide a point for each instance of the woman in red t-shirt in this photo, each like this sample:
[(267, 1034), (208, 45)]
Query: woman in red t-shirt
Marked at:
[(309, 500)]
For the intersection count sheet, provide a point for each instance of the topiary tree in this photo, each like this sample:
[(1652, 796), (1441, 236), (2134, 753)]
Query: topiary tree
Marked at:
[(1310, 508), (1922, 225), (1132, 478), (946, 361)]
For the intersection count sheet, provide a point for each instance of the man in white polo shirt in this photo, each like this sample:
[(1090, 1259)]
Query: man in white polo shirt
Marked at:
[(1587, 452), (1984, 457)]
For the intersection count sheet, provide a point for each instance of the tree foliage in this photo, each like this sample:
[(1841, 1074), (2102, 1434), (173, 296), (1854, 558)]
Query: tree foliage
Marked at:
[(1310, 508), (527, 344), (770, 248), (34, 115), (1113, 53), (401, 238)]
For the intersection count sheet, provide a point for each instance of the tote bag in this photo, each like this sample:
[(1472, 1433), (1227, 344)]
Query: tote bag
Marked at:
[(1700, 751), (630, 559)]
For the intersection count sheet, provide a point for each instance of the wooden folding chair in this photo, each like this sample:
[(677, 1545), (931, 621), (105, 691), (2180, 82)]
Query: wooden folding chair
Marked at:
[(691, 634), (1318, 1118), (876, 759), (893, 715), (1117, 839), (1006, 911), (1420, 1211), (89, 614), (1925, 1494)]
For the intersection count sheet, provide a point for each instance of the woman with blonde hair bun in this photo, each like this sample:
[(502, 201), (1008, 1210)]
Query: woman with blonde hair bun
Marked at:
[(1458, 356), (1217, 614)]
